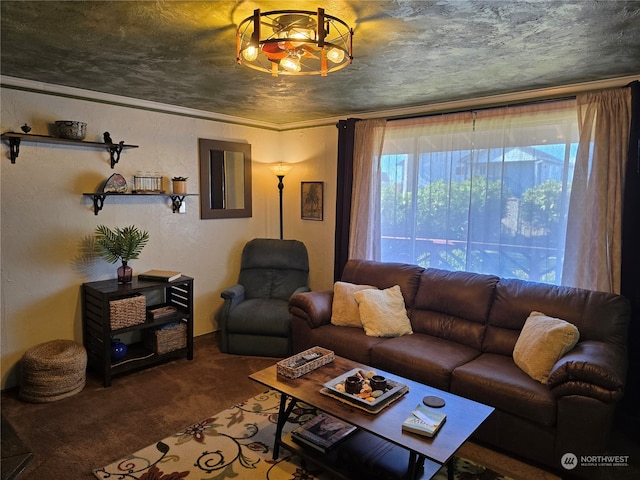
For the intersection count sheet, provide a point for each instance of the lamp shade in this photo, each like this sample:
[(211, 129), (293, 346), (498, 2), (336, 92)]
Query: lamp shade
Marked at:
[(280, 169)]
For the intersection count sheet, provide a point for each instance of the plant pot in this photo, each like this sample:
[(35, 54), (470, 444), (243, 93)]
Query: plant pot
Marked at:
[(180, 187)]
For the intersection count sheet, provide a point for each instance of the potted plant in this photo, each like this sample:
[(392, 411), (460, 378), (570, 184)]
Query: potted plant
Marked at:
[(179, 185), (120, 244)]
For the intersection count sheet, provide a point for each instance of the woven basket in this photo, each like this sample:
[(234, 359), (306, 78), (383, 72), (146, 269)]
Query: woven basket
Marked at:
[(287, 369), (52, 371), (168, 338), (126, 312)]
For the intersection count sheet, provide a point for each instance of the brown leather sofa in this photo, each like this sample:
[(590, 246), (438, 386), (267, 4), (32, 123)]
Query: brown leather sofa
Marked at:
[(465, 327)]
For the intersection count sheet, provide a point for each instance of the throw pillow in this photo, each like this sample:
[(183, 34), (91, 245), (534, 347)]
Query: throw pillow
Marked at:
[(383, 313), (541, 343), (344, 310)]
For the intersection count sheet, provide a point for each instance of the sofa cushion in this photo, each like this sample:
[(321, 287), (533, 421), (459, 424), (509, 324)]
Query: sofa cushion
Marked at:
[(423, 358), (344, 309), (541, 343), (453, 305), (497, 381), (348, 342), (382, 312), (459, 294), (384, 275)]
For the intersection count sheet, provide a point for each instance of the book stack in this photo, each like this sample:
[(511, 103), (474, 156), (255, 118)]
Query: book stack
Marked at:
[(323, 432), (160, 275), (424, 421)]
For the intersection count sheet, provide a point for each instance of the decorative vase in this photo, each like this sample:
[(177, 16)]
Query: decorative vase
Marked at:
[(125, 273), (118, 350), (180, 187)]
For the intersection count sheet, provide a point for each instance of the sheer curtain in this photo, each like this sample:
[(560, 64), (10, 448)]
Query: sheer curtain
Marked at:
[(594, 228), (483, 191), (364, 232)]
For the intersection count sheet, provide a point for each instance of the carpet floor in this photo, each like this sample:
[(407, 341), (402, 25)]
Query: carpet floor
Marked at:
[(72, 437), (237, 443)]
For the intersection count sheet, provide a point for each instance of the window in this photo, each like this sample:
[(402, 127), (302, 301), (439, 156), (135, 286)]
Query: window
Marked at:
[(484, 191)]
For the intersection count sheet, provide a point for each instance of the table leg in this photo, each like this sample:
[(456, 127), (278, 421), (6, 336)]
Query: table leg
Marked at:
[(283, 415), (450, 469), (412, 465), (416, 464)]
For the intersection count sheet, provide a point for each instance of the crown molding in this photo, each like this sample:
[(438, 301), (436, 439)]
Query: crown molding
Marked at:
[(442, 107)]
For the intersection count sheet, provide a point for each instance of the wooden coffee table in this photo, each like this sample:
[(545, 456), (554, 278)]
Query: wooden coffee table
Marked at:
[(380, 444)]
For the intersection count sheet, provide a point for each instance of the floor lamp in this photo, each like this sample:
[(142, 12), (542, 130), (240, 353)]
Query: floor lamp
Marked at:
[(280, 169)]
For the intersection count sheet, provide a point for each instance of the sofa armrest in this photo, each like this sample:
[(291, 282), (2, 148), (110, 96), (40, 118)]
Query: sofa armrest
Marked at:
[(594, 369), (312, 307)]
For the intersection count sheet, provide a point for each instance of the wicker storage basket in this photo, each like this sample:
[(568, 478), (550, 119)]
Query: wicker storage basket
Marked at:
[(167, 338), (288, 368), (126, 312)]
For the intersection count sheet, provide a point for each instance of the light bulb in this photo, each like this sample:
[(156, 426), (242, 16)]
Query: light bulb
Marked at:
[(250, 53), (291, 64), (335, 55)]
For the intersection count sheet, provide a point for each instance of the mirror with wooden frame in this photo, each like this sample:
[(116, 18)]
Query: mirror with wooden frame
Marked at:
[(225, 179)]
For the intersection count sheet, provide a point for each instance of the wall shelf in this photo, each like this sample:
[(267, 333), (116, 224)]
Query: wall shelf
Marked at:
[(14, 139), (99, 198)]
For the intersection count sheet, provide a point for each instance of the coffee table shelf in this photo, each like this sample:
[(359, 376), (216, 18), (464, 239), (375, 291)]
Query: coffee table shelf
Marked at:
[(363, 455)]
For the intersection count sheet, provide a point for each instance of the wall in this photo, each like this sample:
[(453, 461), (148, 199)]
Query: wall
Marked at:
[(44, 217)]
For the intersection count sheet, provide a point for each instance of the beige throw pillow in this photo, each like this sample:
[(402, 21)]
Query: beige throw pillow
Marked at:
[(541, 343), (383, 313), (344, 310)]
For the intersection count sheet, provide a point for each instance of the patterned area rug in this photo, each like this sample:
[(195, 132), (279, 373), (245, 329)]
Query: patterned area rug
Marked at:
[(236, 444)]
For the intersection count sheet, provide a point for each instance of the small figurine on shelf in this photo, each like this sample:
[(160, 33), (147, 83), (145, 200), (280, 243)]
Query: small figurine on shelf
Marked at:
[(107, 137), (25, 128)]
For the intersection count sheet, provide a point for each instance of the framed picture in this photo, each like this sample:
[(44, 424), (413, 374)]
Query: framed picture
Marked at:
[(312, 200)]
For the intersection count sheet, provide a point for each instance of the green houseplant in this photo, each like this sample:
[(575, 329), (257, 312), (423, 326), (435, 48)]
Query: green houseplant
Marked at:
[(120, 244)]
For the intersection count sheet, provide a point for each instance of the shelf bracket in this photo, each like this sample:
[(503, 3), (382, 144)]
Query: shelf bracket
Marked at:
[(114, 151), (98, 202), (14, 148), (176, 201)]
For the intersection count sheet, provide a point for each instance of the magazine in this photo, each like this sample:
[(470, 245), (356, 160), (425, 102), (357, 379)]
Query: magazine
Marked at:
[(424, 421), (323, 432)]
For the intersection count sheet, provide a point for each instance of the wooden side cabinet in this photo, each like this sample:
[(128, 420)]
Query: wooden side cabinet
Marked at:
[(100, 299)]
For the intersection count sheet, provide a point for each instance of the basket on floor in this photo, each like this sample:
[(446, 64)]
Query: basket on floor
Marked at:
[(52, 371)]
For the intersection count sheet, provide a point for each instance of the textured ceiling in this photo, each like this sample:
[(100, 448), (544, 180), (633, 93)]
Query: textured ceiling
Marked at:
[(406, 53)]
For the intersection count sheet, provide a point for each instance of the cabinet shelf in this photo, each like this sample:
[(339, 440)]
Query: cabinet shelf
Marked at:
[(99, 198), (96, 323), (14, 139)]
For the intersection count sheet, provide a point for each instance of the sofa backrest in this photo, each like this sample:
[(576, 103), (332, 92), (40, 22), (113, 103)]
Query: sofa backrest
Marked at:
[(384, 275), (453, 305), (598, 315)]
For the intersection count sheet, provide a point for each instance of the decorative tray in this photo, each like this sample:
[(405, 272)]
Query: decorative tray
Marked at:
[(391, 392)]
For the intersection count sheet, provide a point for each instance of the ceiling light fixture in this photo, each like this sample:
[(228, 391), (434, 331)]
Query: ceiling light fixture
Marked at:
[(294, 42)]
